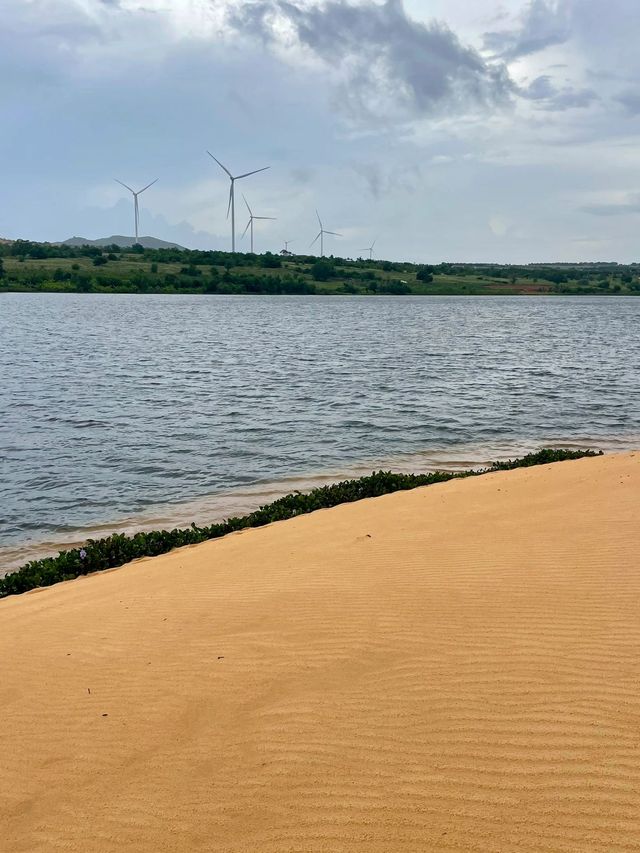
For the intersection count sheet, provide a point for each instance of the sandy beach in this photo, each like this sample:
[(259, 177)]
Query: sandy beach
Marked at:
[(455, 668)]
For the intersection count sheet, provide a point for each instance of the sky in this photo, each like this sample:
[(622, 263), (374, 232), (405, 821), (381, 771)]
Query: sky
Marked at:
[(445, 130)]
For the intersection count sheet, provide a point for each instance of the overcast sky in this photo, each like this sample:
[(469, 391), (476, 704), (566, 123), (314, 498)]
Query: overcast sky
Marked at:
[(445, 129)]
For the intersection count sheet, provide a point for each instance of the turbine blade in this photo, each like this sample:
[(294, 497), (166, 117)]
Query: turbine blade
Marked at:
[(219, 164), (124, 185), (147, 186), (316, 240), (319, 220), (333, 233), (246, 229), (247, 203), (273, 218), (230, 197), (255, 172)]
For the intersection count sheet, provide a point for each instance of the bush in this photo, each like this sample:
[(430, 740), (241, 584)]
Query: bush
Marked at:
[(118, 549), (394, 288), (322, 271)]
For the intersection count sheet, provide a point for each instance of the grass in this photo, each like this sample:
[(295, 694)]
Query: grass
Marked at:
[(118, 549), (43, 267)]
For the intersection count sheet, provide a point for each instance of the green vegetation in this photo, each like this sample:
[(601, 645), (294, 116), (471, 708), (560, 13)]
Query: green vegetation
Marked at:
[(118, 549), (33, 267)]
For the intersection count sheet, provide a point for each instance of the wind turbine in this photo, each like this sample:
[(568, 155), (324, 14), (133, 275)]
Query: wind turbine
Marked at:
[(286, 244), (250, 222), (232, 198), (136, 210), (321, 236), (370, 249)]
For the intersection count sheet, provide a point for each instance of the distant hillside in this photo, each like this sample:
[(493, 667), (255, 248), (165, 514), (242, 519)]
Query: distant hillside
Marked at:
[(123, 242)]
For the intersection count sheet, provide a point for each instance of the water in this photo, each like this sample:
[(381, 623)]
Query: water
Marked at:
[(124, 412)]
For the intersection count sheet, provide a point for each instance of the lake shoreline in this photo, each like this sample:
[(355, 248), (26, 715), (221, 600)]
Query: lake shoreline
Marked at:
[(116, 410), (218, 506)]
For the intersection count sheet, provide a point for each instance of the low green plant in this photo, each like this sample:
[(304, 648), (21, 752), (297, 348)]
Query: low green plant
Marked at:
[(118, 549)]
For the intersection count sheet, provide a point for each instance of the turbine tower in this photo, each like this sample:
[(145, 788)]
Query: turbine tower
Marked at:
[(321, 236), (232, 199), (136, 210), (250, 222), (286, 244), (370, 249)]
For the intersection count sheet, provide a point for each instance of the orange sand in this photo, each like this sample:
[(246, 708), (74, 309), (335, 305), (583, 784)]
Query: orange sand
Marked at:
[(451, 669)]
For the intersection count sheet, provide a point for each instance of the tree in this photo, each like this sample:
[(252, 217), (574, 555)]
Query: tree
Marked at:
[(322, 271), (425, 274), (83, 283), (1, 268), (99, 261), (270, 261), (395, 288)]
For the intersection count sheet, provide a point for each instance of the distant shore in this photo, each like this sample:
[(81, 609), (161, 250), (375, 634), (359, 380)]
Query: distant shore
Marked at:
[(26, 266), (455, 664)]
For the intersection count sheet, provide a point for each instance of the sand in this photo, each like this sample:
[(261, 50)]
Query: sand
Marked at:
[(451, 669)]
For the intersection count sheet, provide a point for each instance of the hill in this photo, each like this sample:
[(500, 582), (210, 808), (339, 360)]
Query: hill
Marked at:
[(123, 242), (101, 266)]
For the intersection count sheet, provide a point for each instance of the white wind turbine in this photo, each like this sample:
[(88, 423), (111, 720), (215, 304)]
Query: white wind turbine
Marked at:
[(250, 222), (321, 236), (136, 210), (232, 198), (370, 249)]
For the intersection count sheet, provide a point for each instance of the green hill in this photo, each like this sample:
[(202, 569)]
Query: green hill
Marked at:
[(76, 266)]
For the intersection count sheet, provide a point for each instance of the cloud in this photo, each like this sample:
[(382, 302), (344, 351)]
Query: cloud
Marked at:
[(549, 97), (542, 24), (630, 100), (619, 209), (386, 64)]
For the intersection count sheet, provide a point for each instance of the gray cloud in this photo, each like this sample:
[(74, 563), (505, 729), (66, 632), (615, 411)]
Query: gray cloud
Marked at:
[(550, 97), (540, 89), (630, 100), (544, 23), (390, 65), (623, 208)]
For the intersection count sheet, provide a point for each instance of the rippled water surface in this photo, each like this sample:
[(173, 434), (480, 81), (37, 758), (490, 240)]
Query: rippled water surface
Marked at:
[(117, 408)]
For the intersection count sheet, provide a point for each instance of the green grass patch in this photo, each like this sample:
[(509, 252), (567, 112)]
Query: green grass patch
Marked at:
[(116, 550)]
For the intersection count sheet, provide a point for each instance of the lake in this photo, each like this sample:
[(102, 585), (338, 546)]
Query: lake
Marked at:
[(136, 411)]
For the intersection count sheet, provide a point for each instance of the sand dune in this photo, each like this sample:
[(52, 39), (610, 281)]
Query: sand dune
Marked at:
[(451, 669)]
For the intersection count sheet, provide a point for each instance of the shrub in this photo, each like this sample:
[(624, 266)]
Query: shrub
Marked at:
[(425, 274), (322, 271), (395, 288), (118, 549)]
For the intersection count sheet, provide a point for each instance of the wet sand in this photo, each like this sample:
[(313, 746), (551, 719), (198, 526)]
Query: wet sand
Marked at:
[(455, 668)]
